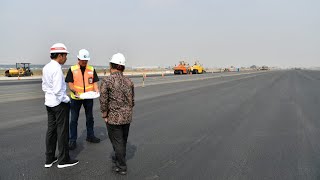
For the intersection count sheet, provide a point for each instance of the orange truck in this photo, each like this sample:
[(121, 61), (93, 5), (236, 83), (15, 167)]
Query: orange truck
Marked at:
[(181, 68)]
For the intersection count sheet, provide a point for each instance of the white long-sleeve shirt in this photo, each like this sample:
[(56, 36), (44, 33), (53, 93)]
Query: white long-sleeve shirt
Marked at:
[(53, 84)]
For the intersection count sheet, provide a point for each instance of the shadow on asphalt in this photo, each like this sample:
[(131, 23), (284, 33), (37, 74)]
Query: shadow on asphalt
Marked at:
[(131, 150), (99, 132)]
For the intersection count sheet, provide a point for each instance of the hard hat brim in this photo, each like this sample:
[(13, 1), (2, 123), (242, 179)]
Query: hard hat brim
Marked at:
[(116, 62), (58, 51)]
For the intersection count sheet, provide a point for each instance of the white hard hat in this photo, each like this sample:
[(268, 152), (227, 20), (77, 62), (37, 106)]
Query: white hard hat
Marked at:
[(118, 59), (58, 48), (84, 55)]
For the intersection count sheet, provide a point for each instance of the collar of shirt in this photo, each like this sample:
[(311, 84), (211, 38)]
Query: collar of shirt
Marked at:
[(83, 69), (55, 62), (117, 73)]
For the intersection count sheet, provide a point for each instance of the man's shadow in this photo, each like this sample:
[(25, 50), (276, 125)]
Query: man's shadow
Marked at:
[(131, 150), (99, 132)]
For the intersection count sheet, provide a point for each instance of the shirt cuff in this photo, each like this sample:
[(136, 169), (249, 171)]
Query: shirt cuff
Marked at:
[(66, 99)]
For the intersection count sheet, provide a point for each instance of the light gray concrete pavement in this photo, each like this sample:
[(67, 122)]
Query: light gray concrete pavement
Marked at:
[(252, 126), (24, 89)]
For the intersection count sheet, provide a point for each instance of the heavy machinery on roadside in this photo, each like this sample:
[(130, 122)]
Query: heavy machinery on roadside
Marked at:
[(264, 68), (197, 68), (181, 68), (22, 69)]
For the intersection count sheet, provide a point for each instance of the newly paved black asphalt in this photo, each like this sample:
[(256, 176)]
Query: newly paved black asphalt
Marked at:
[(251, 126)]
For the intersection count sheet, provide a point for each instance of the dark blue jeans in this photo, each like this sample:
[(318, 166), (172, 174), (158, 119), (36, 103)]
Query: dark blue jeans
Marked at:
[(75, 107)]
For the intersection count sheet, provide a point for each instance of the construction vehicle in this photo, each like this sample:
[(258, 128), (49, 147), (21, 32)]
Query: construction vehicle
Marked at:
[(197, 68), (226, 70), (182, 68), (264, 68), (22, 69)]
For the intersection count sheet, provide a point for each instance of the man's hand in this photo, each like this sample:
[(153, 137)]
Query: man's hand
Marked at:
[(104, 116), (76, 94)]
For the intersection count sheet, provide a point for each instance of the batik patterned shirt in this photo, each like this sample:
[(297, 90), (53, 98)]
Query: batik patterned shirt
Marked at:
[(117, 98)]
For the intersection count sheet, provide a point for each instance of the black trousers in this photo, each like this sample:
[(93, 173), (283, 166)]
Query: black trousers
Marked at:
[(118, 135), (58, 130)]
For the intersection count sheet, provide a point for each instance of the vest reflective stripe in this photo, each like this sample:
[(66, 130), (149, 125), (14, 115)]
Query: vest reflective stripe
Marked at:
[(82, 83)]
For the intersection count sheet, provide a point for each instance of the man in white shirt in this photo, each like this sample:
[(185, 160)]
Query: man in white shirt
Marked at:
[(58, 108)]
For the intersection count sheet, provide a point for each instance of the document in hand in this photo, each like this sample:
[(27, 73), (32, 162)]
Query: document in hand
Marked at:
[(90, 95)]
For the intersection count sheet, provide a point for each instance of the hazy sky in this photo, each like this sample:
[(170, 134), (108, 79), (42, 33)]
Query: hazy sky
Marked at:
[(161, 32)]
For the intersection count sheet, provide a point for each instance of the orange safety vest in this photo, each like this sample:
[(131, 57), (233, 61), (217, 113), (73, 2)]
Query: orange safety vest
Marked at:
[(82, 83)]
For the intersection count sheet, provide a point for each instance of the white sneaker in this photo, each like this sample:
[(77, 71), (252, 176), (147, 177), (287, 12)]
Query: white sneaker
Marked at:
[(50, 163), (68, 164)]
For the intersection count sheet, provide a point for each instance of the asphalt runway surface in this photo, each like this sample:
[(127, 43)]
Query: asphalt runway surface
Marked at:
[(262, 125)]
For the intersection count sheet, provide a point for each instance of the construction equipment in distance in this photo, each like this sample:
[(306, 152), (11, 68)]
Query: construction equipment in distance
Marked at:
[(182, 68), (22, 69), (197, 68), (264, 68)]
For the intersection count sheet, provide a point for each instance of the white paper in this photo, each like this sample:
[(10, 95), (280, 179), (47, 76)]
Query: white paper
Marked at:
[(90, 95)]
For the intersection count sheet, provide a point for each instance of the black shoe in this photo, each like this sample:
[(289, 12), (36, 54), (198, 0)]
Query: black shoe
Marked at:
[(93, 139), (119, 170), (68, 164), (72, 145), (115, 169), (49, 163), (122, 172)]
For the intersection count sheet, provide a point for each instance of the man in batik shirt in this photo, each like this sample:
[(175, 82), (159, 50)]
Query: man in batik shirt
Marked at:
[(116, 104)]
